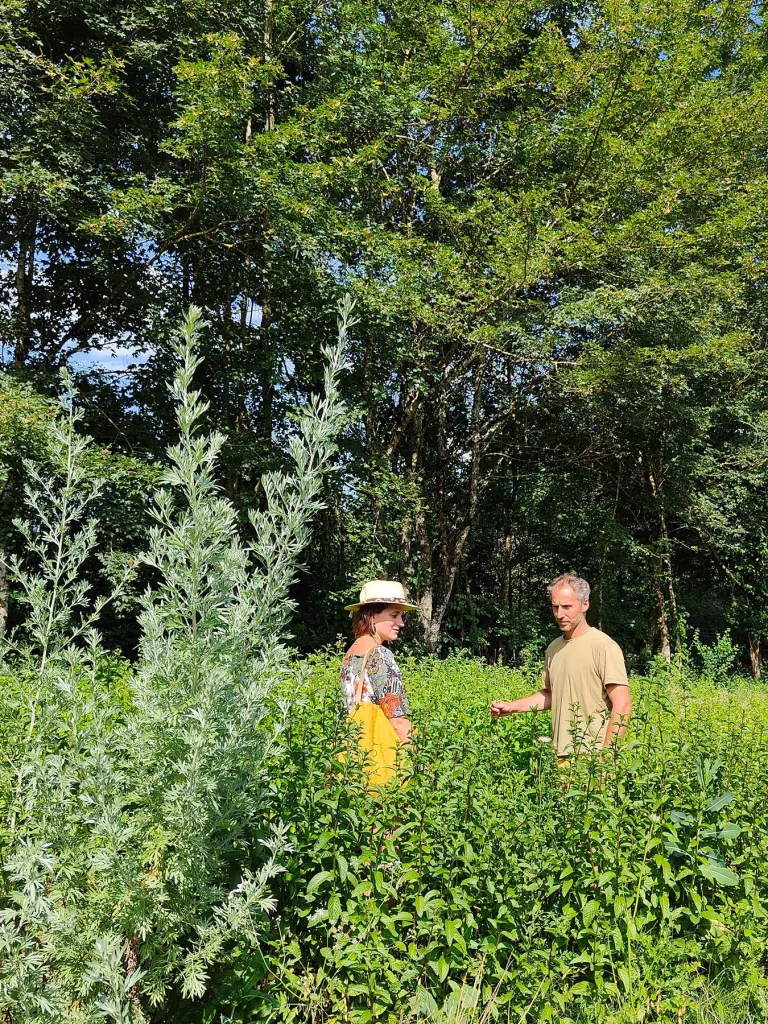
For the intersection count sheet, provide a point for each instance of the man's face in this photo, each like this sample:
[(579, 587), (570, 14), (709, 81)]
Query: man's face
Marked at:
[(567, 609)]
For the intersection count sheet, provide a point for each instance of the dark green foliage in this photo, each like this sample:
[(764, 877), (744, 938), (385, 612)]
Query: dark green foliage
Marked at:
[(553, 219)]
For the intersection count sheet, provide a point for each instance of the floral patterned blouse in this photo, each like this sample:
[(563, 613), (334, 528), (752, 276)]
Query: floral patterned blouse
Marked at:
[(383, 682)]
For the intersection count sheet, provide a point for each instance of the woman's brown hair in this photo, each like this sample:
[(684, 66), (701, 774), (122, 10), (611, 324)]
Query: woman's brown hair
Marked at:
[(362, 620)]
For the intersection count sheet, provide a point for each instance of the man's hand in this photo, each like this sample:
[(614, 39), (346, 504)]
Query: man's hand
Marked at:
[(502, 707), (541, 701)]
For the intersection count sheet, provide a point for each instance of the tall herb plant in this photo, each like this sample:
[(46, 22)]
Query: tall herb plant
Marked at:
[(135, 854)]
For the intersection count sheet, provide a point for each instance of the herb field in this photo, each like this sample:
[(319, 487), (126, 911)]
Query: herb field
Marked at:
[(491, 884)]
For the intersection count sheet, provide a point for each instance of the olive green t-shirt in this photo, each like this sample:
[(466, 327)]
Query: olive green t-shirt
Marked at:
[(577, 672)]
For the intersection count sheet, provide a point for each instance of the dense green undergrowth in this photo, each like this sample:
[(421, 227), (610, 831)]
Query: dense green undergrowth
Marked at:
[(491, 885)]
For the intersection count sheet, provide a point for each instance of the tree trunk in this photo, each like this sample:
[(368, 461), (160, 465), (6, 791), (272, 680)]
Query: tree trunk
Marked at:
[(369, 417), (442, 586), (267, 383), (25, 269), (186, 282), (446, 560), (663, 622), (666, 562), (663, 573), (427, 620), (268, 360), (755, 657), (599, 589), (506, 573), (269, 117), (409, 526)]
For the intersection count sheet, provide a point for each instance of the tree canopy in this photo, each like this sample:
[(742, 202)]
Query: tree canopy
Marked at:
[(552, 220)]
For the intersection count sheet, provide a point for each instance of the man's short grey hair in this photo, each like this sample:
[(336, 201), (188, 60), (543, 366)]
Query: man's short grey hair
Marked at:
[(579, 586)]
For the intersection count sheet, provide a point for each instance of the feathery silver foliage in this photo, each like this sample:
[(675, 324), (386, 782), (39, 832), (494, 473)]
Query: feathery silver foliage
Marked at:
[(129, 823)]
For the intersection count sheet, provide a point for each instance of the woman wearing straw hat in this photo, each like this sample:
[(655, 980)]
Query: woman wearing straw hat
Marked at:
[(369, 672)]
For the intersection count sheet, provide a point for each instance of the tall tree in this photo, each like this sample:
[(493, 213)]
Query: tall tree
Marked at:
[(547, 213)]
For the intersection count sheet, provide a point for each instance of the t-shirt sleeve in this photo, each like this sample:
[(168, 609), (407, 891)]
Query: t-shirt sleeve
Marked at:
[(394, 700), (613, 671), (545, 683)]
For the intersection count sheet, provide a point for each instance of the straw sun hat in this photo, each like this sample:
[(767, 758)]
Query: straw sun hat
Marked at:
[(382, 592)]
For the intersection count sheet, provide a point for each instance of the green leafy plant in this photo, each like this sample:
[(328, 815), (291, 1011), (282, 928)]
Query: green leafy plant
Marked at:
[(494, 886), (138, 851), (697, 835), (718, 658)]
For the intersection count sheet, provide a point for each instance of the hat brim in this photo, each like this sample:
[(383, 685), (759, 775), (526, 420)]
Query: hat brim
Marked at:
[(405, 605)]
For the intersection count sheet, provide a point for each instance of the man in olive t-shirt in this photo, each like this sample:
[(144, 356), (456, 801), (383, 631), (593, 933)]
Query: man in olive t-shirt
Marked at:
[(584, 681)]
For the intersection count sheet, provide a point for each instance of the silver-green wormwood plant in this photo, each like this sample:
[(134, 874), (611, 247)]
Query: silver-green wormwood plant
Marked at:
[(134, 856)]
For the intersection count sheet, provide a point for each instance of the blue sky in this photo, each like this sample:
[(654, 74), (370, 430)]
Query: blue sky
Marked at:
[(113, 358)]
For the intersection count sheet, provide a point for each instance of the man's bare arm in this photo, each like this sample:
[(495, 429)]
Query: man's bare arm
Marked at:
[(621, 709), (540, 701)]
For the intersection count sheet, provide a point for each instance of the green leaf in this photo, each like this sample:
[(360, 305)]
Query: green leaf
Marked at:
[(719, 874), (676, 849), (317, 880), (343, 867), (462, 999), (334, 908), (682, 818), (359, 988), (719, 802), (589, 912), (423, 1004), (728, 830)]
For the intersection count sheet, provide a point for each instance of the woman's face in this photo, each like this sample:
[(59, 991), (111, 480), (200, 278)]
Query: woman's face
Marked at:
[(389, 622)]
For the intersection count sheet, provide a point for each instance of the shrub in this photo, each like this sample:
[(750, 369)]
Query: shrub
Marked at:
[(718, 658), (138, 849)]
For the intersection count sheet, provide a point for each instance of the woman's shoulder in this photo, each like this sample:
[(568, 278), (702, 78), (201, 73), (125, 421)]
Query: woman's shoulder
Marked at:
[(380, 655), (370, 651), (387, 659), (376, 656)]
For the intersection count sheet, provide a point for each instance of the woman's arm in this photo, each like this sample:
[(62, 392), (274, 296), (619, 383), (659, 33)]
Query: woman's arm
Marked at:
[(394, 699), (402, 727)]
